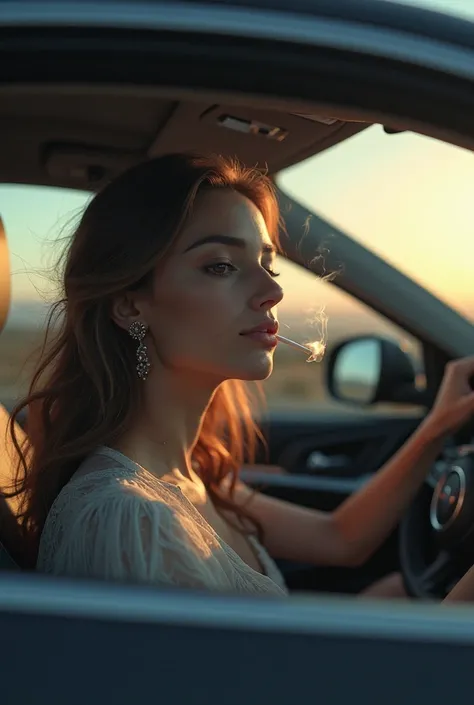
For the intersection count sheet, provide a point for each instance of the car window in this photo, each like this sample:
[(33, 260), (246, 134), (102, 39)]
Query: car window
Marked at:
[(314, 309), (406, 197), (36, 220)]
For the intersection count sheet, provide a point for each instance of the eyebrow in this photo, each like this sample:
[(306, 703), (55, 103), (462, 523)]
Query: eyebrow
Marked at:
[(230, 241)]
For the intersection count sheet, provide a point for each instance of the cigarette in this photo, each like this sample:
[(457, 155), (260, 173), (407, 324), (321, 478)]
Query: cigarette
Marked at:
[(294, 344)]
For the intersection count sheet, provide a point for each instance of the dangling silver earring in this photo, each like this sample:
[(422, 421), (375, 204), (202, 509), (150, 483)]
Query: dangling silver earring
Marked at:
[(138, 330)]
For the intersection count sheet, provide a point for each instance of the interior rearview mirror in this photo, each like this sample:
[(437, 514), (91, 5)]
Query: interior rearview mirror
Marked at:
[(368, 369)]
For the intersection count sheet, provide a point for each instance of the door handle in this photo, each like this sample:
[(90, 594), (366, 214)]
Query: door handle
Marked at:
[(318, 461)]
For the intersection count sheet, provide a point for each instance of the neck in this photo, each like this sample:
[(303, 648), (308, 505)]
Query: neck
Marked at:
[(168, 424)]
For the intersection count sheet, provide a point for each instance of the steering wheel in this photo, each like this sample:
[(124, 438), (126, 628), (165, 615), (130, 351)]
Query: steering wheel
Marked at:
[(436, 534)]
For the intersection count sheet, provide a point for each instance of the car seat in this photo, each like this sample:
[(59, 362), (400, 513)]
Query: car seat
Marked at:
[(11, 549)]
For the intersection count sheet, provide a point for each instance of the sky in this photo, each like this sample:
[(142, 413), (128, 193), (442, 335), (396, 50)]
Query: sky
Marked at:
[(407, 197)]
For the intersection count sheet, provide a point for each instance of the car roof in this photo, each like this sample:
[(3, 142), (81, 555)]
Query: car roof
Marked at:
[(81, 136)]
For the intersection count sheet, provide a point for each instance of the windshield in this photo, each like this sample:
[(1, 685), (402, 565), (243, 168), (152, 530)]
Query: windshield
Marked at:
[(406, 197)]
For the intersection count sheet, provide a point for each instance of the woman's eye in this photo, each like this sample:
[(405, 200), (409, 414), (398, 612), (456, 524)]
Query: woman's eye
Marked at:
[(224, 269), (220, 269)]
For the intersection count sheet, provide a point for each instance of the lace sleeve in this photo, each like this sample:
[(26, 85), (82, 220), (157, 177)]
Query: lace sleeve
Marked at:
[(121, 534)]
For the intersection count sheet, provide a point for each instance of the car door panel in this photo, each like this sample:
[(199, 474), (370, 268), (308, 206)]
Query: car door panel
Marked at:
[(339, 445), (360, 445), (324, 493)]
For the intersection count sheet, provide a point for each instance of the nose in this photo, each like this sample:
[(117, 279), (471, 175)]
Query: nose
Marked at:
[(269, 295)]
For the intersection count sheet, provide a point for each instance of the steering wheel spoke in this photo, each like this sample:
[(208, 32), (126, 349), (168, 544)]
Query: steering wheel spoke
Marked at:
[(439, 517), (436, 576)]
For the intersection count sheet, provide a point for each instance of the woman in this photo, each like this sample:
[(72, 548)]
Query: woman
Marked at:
[(139, 416)]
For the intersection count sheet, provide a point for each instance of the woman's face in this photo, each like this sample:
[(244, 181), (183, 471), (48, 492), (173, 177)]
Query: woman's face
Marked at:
[(217, 284)]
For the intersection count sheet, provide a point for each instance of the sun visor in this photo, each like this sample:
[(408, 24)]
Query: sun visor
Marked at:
[(4, 277)]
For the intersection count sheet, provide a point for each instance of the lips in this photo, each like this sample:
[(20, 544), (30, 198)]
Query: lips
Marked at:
[(270, 327), (264, 335)]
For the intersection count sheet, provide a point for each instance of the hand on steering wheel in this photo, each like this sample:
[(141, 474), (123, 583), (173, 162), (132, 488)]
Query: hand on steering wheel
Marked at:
[(454, 403), (433, 552)]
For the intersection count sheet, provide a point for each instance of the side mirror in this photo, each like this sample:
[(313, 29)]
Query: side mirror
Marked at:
[(368, 369)]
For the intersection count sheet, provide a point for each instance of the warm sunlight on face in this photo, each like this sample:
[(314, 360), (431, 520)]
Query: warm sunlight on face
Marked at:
[(214, 288)]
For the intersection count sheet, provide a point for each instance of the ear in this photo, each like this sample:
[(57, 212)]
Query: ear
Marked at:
[(124, 311)]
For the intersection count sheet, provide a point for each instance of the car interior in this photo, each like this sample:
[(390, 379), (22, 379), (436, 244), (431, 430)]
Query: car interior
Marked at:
[(89, 89), (81, 137)]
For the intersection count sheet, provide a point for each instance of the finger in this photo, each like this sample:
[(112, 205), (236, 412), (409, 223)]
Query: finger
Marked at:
[(462, 367)]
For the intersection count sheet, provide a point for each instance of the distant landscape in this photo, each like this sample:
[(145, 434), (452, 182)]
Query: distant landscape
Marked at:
[(294, 384)]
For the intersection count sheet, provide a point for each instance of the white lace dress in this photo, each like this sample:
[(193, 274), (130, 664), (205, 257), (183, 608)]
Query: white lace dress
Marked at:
[(115, 520)]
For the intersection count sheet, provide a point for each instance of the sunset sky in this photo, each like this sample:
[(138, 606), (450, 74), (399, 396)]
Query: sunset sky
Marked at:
[(407, 197)]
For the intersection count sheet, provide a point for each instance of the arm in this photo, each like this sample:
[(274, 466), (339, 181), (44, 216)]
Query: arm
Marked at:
[(348, 536), (464, 590)]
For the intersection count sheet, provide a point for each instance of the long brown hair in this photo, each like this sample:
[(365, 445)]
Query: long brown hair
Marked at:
[(85, 391)]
